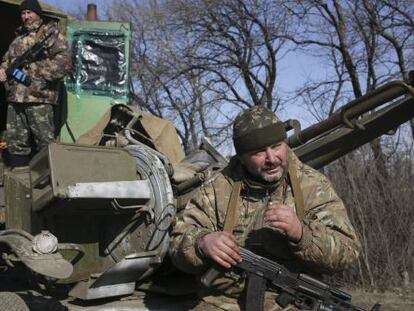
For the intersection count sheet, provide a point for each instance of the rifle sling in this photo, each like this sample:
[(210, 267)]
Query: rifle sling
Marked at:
[(232, 211), (255, 285), (40, 33), (229, 223), (297, 191)]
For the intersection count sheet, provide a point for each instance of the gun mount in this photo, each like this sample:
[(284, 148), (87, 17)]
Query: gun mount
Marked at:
[(90, 217)]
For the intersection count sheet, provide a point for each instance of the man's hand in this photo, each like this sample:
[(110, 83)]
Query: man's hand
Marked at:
[(221, 247), (3, 76), (283, 219)]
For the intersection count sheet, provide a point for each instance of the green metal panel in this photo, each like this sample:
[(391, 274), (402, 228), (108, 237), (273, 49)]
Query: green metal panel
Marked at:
[(100, 75), (84, 111), (50, 175), (93, 164), (78, 221)]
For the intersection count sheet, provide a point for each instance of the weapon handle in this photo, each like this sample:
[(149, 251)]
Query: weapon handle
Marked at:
[(211, 274)]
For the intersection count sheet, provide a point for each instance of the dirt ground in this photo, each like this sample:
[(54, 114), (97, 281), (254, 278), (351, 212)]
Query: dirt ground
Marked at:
[(400, 299)]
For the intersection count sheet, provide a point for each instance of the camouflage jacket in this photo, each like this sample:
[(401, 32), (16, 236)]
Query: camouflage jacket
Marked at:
[(45, 72), (328, 244)]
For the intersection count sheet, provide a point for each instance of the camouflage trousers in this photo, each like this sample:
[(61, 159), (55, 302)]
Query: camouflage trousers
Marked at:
[(30, 127), (221, 303)]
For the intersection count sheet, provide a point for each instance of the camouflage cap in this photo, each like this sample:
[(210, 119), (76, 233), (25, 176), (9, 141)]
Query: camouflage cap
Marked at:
[(255, 128)]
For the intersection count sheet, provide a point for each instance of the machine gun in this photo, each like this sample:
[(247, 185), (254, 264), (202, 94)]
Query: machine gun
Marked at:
[(14, 71), (298, 289)]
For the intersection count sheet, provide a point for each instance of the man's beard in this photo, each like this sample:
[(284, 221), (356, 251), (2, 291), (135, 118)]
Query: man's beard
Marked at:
[(32, 25), (273, 177)]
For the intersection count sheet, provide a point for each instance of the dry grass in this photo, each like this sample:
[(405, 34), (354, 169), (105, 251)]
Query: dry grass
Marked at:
[(398, 299), (381, 209)]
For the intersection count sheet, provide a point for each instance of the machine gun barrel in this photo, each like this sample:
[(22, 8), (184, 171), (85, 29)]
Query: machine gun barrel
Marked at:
[(354, 124)]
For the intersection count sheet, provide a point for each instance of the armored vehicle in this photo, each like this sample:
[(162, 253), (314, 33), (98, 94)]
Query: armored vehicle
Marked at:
[(86, 226)]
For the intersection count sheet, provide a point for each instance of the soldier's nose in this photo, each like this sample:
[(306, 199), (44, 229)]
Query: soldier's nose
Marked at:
[(270, 157)]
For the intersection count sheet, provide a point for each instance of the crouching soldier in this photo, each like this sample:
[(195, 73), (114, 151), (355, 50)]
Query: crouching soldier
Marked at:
[(268, 201)]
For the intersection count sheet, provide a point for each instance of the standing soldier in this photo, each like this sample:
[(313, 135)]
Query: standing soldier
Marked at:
[(33, 89), (269, 202)]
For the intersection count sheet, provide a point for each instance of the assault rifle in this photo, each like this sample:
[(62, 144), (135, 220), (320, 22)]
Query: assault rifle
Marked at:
[(298, 289), (15, 69)]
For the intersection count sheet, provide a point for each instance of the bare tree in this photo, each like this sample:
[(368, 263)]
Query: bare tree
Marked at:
[(343, 34), (393, 22), (199, 62), (385, 230), (364, 43), (158, 86), (238, 45)]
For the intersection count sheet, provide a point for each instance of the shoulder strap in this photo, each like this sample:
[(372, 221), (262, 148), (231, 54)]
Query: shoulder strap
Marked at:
[(229, 223), (40, 32), (297, 191), (231, 214)]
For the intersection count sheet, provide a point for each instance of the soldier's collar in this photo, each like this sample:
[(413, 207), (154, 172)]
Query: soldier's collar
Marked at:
[(237, 172), (260, 191), (34, 26), (259, 185)]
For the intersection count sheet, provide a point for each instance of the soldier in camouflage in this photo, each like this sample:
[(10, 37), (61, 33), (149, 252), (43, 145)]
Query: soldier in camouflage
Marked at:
[(30, 108), (266, 222)]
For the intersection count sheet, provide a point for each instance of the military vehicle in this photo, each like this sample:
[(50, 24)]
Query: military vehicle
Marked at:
[(86, 226)]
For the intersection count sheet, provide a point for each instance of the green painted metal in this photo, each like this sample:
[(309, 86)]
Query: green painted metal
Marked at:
[(87, 103), (77, 221), (93, 164), (84, 111), (355, 124), (18, 212)]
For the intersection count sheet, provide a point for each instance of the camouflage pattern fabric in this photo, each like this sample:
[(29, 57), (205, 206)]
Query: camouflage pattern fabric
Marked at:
[(256, 128), (34, 118), (328, 244), (252, 119), (225, 304), (45, 72), (26, 122)]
